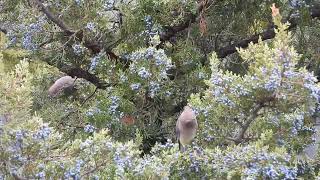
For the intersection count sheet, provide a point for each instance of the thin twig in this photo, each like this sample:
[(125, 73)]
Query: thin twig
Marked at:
[(53, 18), (254, 114), (91, 95)]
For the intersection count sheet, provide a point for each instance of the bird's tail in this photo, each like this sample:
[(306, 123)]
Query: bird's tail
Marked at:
[(182, 148), (180, 145)]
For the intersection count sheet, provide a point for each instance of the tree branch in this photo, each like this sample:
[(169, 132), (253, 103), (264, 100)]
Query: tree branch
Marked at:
[(48, 41), (53, 18), (95, 46), (254, 114), (245, 126), (89, 97), (191, 18), (267, 34), (3, 30), (81, 73), (230, 49)]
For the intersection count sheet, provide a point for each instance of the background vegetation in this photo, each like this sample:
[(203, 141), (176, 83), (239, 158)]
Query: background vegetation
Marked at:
[(249, 71)]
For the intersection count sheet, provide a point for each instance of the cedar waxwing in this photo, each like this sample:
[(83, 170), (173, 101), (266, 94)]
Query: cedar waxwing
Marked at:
[(186, 127), (61, 84)]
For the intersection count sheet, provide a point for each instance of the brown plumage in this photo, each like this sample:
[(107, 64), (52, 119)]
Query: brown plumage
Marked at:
[(186, 126), (60, 84)]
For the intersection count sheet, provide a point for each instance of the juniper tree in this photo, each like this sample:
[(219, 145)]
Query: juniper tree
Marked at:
[(110, 44), (137, 63), (275, 94)]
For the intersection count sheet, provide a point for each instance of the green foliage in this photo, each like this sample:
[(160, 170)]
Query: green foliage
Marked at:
[(273, 94), (139, 62)]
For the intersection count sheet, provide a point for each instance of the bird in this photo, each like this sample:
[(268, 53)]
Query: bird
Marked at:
[(61, 84), (186, 127)]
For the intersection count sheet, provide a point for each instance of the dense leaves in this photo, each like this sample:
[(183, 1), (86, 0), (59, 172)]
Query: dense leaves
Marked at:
[(135, 65)]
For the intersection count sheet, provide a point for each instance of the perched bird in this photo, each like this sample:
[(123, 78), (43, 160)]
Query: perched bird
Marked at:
[(61, 84), (186, 127)]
